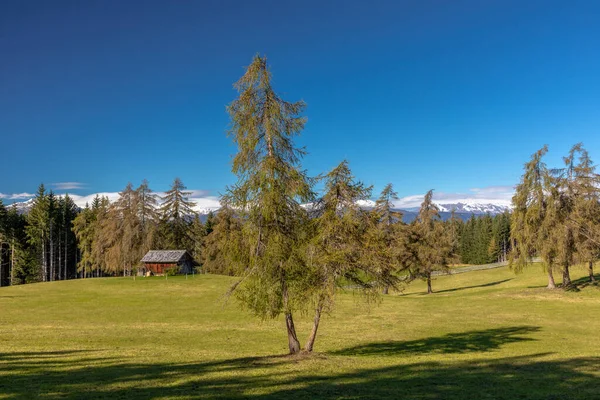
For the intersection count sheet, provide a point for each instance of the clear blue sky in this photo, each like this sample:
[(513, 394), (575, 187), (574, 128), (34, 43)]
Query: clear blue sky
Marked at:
[(450, 95)]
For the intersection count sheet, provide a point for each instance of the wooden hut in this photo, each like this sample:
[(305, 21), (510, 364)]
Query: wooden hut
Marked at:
[(160, 261)]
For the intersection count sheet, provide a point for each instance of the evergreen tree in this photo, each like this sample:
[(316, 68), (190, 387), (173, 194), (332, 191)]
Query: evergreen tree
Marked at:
[(270, 188), (434, 250), (24, 267), (38, 230), (177, 218), (4, 246)]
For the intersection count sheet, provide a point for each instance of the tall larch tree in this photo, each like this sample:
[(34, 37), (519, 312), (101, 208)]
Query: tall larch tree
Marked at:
[(147, 215), (528, 230), (584, 219), (224, 250), (270, 188), (384, 241)]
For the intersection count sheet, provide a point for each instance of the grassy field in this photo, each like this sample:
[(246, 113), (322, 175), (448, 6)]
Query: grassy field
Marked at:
[(485, 334)]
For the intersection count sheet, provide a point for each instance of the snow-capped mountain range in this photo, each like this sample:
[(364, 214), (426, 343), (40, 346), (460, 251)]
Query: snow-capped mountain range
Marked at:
[(464, 208)]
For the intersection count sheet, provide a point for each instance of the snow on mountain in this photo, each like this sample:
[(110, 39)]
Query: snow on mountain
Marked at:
[(211, 204), (470, 207), (474, 208), (22, 207)]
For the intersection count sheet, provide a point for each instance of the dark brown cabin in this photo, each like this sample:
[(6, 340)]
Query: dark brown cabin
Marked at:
[(159, 261)]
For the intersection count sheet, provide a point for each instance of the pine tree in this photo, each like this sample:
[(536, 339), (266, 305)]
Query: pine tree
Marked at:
[(270, 188)]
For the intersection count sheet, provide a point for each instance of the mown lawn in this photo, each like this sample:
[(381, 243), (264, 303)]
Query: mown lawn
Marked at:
[(486, 334)]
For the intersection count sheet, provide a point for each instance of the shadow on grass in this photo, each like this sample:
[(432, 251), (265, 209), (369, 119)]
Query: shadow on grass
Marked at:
[(473, 287), (74, 375), (464, 342), (584, 282)]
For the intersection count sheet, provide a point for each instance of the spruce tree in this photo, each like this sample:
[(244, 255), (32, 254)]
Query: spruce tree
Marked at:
[(4, 245), (177, 215), (270, 188), (38, 230)]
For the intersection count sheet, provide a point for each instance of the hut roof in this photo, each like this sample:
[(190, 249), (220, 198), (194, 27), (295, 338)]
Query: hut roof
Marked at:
[(164, 256)]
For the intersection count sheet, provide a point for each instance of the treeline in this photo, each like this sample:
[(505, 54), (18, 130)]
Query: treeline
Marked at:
[(485, 239), (41, 245), (113, 237), (56, 240)]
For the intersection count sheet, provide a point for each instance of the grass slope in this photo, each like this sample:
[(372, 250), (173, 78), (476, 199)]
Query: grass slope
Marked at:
[(484, 334)]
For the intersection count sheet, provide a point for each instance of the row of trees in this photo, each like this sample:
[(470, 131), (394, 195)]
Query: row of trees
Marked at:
[(40, 246), (556, 215), (113, 237), (55, 240), (485, 239)]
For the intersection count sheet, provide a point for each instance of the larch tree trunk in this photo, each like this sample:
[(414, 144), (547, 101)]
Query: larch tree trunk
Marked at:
[(591, 271), (551, 283), (429, 290), (566, 277), (313, 333), (293, 342)]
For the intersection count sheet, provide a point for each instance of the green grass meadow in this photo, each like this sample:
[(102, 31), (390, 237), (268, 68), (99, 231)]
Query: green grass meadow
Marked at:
[(483, 335)]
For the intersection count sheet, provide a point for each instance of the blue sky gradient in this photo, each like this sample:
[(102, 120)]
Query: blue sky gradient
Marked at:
[(423, 94)]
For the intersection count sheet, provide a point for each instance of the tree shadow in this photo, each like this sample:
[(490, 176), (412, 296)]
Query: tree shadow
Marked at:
[(525, 377), (464, 342), (584, 282), (472, 287), (77, 375)]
